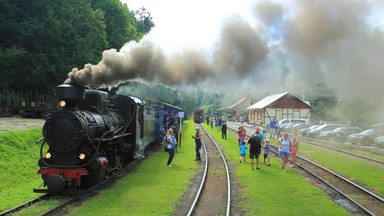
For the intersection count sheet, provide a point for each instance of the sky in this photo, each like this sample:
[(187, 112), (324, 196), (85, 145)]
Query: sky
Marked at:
[(257, 48), (190, 23)]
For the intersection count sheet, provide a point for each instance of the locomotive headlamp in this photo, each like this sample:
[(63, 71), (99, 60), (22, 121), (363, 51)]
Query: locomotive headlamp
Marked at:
[(48, 155), (62, 103), (82, 156)]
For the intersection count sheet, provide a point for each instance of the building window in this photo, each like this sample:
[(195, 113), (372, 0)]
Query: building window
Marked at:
[(283, 103), (292, 103)]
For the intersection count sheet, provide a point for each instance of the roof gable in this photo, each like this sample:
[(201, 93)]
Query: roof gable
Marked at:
[(272, 98)]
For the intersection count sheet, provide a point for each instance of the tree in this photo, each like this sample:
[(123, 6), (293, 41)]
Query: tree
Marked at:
[(119, 22), (143, 21)]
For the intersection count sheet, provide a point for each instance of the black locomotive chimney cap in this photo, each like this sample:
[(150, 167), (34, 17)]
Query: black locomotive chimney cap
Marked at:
[(72, 94)]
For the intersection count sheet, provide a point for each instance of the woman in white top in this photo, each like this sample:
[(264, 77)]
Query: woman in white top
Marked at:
[(284, 144)]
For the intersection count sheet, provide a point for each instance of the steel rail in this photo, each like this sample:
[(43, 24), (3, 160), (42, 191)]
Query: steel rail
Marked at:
[(330, 185), (202, 181), (343, 151), (26, 204), (226, 168)]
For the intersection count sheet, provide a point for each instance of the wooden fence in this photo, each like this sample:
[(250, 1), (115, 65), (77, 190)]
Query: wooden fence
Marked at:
[(29, 104)]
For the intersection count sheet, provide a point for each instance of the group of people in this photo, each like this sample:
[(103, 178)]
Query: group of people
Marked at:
[(171, 141), (287, 147)]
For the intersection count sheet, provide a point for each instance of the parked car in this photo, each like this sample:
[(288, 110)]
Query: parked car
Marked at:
[(330, 135), (366, 137), (296, 127), (287, 121), (304, 131), (284, 128), (379, 141), (328, 127), (343, 134)]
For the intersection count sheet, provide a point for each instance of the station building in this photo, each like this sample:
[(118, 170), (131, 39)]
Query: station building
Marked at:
[(279, 106)]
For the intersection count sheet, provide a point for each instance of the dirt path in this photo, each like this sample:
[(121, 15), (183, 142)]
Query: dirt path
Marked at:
[(213, 199)]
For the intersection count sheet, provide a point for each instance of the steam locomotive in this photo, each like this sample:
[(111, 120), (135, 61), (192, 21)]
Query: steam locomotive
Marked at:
[(94, 134)]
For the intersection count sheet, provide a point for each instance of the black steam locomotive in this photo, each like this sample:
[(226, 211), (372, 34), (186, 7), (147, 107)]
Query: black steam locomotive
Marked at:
[(94, 134)]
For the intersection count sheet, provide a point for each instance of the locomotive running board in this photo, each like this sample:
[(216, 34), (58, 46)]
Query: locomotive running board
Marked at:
[(40, 190), (115, 137)]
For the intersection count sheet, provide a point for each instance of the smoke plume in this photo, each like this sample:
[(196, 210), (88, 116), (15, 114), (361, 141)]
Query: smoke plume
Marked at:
[(239, 51)]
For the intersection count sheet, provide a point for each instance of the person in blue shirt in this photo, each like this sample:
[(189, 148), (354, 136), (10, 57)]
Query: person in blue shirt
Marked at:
[(272, 129), (260, 134), (197, 138), (171, 141), (243, 151), (266, 148)]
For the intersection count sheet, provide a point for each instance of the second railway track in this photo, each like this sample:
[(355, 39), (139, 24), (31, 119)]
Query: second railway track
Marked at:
[(357, 199)]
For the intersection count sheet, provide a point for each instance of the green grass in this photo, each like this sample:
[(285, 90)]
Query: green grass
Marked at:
[(348, 148), (153, 189), (18, 164), (364, 173), (269, 191)]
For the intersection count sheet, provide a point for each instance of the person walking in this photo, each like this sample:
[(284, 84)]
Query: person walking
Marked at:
[(197, 138), (171, 142), (267, 149), (255, 149), (284, 143), (243, 151), (264, 127), (241, 134), (224, 130), (260, 134), (295, 148), (272, 129)]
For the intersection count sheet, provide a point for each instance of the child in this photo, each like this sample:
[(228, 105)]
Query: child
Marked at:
[(243, 151), (266, 148)]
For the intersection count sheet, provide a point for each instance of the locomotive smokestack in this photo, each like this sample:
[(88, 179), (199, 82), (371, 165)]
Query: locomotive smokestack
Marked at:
[(71, 94)]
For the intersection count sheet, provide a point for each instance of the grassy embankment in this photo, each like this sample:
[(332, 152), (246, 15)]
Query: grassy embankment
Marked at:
[(153, 189), (270, 191), (19, 156)]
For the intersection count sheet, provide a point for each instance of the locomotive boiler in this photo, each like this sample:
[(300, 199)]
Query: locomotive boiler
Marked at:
[(92, 135)]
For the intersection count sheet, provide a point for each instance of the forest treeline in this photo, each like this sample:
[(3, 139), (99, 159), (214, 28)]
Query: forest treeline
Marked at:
[(41, 41)]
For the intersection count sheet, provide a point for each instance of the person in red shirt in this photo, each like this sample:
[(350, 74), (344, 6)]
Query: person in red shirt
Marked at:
[(241, 135)]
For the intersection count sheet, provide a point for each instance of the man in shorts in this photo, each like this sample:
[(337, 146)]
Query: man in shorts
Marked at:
[(255, 149)]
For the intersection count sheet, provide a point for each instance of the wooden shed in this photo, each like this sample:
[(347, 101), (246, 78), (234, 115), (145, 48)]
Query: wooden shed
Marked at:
[(279, 106), (237, 109)]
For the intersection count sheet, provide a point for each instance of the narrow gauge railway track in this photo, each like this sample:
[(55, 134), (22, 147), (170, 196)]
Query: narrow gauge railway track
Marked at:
[(26, 204), (364, 201), (369, 159), (313, 142), (81, 195), (207, 196)]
